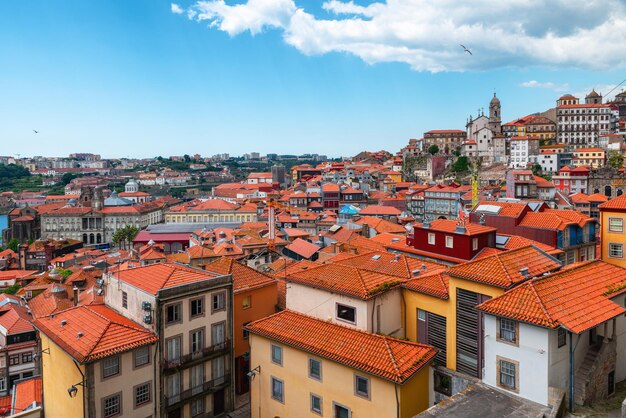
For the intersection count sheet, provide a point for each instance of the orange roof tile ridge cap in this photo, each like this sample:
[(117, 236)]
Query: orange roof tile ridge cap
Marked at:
[(358, 272), (543, 307), (392, 358), (506, 271)]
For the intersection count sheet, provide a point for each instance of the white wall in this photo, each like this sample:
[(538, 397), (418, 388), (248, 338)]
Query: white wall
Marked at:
[(322, 304), (531, 354), (390, 313)]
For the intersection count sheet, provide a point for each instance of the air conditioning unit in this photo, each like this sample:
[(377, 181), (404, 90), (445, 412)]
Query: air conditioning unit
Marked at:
[(146, 306), (147, 319)]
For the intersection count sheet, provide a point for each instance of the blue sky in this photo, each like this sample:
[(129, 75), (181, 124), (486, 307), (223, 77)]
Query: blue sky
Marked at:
[(146, 78)]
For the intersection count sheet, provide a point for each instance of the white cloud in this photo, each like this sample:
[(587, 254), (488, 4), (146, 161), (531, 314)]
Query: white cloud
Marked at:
[(176, 9), (545, 85), (426, 34)]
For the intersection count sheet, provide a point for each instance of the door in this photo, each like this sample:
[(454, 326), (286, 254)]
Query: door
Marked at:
[(219, 402)]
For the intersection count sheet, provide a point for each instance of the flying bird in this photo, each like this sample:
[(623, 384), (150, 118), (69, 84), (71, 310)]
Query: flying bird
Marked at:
[(466, 50), (35, 131)]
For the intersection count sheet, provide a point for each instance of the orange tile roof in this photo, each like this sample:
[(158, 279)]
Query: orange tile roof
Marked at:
[(576, 298), (434, 284), (26, 393), (503, 270), (598, 197), (448, 225), (49, 302), (295, 232), (386, 238), (244, 278), (579, 198), (509, 209), (396, 265), (303, 248), (380, 210), (5, 405), (159, 276), (554, 219), (104, 332), (16, 321), (618, 202), (515, 241), (346, 280), (379, 355), (381, 225)]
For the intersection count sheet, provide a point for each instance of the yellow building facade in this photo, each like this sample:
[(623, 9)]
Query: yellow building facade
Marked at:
[(334, 389), (612, 232)]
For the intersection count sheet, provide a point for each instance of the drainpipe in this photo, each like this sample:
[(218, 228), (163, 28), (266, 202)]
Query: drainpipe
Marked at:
[(395, 386), (572, 350), (85, 383)]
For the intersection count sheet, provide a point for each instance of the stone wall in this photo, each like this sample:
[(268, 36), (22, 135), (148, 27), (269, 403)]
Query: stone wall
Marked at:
[(597, 384)]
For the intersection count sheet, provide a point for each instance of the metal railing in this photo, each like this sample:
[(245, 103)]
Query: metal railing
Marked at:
[(206, 352), (207, 387)]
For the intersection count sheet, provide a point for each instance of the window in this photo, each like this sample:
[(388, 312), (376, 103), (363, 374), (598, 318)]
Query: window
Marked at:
[(197, 407), (431, 238), (277, 354), (218, 301), (173, 349), (124, 300), (112, 406), (278, 388), (142, 394), (449, 241), (110, 366), (3, 383), (315, 369), (616, 250), (340, 411), (27, 357), (316, 404), (474, 244), (14, 360), (246, 334), (346, 313), (561, 337), (508, 374), (247, 302), (443, 383), (616, 225), (361, 386), (197, 307), (142, 356), (173, 313), (197, 340), (507, 330)]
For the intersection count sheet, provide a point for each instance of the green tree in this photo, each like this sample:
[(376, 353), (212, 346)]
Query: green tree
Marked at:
[(461, 165), (67, 178), (433, 149), (124, 236), (536, 169), (65, 273), (11, 290), (13, 244), (615, 159)]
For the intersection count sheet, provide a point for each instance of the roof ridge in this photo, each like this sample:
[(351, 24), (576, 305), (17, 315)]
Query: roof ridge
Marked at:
[(392, 357), (541, 305), (506, 271), (358, 272)]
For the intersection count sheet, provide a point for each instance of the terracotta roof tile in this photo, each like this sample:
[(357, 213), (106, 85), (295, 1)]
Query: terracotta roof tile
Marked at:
[(244, 277), (381, 225), (434, 284), (379, 355), (503, 270), (16, 321), (380, 210), (26, 393), (303, 248), (618, 202), (576, 298), (104, 332), (159, 276)]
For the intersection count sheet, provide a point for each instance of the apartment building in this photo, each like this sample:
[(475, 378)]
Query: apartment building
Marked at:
[(191, 311), (97, 363), (304, 366), (579, 125), (18, 344)]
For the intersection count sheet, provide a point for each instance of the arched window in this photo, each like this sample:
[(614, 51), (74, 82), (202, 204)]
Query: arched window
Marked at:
[(84, 238), (607, 191), (98, 239), (619, 192), (596, 190), (91, 238)]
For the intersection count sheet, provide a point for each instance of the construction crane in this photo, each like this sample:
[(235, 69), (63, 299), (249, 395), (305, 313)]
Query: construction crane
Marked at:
[(475, 181)]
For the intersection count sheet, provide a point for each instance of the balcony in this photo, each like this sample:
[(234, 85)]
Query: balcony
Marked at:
[(207, 387), (191, 359)]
